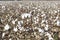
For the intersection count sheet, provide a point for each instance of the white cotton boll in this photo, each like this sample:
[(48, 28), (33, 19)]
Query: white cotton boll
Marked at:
[(55, 11), (43, 21), (3, 7), (50, 38), (56, 19), (3, 35), (58, 10), (15, 29), (58, 22), (35, 7), (28, 20), (35, 28), (19, 25), (48, 34), (21, 28), (27, 29), (39, 9), (40, 30), (10, 39), (16, 19), (6, 27), (20, 5), (46, 28), (21, 21), (13, 22), (29, 15), (35, 22), (43, 15), (46, 21), (34, 17), (24, 15)]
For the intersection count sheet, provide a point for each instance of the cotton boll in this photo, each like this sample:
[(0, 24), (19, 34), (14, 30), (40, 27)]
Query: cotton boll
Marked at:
[(16, 19), (20, 5), (58, 22), (35, 18), (55, 11), (43, 21), (13, 22), (43, 15), (35, 22), (46, 28), (3, 35), (25, 15), (47, 34), (15, 29), (35, 28), (21, 21), (56, 19), (21, 28), (6, 27), (10, 39), (3, 7), (39, 9), (40, 30), (50, 38)]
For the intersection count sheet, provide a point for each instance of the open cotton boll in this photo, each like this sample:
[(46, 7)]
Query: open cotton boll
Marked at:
[(20, 28), (24, 15), (15, 29), (55, 11), (20, 22), (43, 15), (50, 38), (40, 30), (58, 22), (47, 34), (16, 19), (3, 7), (3, 35), (46, 28), (43, 21), (6, 27), (13, 22), (56, 19), (10, 39)]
